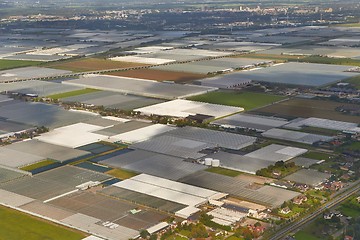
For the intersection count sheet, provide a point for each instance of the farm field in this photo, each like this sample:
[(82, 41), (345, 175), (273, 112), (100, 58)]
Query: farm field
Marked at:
[(121, 173), (224, 171), (276, 57), (247, 100), (301, 235), (73, 93), (22, 226), (37, 165), (9, 64), (354, 81), (159, 75), (91, 64), (305, 108)]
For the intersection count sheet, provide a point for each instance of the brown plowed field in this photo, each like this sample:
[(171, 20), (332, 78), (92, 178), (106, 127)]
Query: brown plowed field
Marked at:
[(92, 64), (305, 108), (159, 75)]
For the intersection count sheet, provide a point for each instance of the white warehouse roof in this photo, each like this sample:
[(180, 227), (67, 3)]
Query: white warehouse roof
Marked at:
[(185, 108)]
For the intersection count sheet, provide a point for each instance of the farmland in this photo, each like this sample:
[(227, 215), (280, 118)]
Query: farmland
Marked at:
[(247, 100), (308, 108), (159, 75), (275, 57), (22, 226), (72, 93), (91, 64), (37, 165), (121, 173), (9, 64), (354, 81)]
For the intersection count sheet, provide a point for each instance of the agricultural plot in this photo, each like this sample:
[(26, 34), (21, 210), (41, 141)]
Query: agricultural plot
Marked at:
[(159, 75), (303, 74), (21, 226), (92, 64), (40, 88), (247, 100), (9, 64), (306, 108), (308, 50)]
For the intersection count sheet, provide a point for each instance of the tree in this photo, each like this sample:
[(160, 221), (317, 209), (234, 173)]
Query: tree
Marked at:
[(144, 233)]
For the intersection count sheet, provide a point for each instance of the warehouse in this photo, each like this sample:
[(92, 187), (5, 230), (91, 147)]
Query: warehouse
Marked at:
[(73, 136), (294, 136), (239, 162), (183, 108), (141, 134), (185, 194), (259, 123), (305, 74), (323, 123), (275, 152), (40, 88), (139, 87), (217, 138), (308, 176), (29, 72)]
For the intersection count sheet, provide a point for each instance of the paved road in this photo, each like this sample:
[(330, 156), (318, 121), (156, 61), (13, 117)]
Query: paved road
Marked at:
[(340, 197)]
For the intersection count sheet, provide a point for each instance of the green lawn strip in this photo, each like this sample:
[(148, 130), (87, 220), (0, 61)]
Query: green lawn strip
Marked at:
[(318, 155), (121, 173), (17, 225), (72, 93), (9, 64), (330, 60), (37, 165), (247, 100), (302, 235), (224, 171)]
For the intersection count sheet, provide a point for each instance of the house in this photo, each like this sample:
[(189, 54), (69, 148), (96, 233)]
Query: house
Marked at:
[(300, 199), (348, 238), (285, 210)]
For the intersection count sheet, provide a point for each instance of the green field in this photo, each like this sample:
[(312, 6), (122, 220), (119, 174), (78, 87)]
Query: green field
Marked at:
[(330, 60), (301, 235), (317, 155), (37, 165), (349, 212), (224, 171), (15, 225), (9, 64), (354, 81), (72, 93), (247, 100), (121, 173)]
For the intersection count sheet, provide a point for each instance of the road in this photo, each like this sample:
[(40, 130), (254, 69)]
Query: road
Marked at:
[(340, 197)]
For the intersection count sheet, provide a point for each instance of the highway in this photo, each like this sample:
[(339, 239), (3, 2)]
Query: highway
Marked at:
[(340, 197)]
